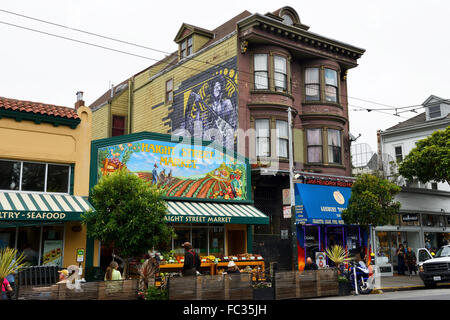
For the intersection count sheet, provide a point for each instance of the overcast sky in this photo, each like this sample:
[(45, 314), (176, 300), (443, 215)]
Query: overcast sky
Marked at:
[(406, 42)]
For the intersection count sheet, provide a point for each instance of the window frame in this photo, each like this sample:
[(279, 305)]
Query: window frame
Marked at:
[(283, 138), (266, 71), (437, 108), (188, 48), (285, 75), (258, 137), (314, 145), (326, 85), (167, 92), (124, 125), (334, 147), (313, 83), (395, 153), (69, 177)]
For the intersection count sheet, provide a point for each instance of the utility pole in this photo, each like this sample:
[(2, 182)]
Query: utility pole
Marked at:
[(292, 193)]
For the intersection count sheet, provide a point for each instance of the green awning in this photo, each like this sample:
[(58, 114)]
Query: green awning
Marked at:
[(39, 207), (212, 212)]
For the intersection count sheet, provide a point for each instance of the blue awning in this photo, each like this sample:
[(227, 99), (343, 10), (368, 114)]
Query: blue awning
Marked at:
[(316, 204)]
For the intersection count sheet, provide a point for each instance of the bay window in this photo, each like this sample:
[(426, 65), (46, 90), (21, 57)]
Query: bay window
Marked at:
[(262, 128), (280, 73), (282, 138), (334, 146), (312, 84), (261, 72), (314, 145)]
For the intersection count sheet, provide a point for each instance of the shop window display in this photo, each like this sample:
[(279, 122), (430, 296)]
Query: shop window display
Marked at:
[(216, 240), (52, 246), (200, 240), (7, 237), (29, 244), (312, 244)]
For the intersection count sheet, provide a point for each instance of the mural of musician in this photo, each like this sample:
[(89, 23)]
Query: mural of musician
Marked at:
[(209, 106)]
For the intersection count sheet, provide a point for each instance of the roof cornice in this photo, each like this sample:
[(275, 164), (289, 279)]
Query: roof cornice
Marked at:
[(38, 118), (300, 35)]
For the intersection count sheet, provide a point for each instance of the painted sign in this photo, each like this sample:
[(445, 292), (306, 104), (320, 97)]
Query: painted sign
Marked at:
[(80, 255), (410, 217), (39, 216), (320, 260), (181, 170), (324, 209), (205, 105)]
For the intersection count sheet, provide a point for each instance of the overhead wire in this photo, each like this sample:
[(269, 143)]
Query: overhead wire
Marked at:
[(391, 108)]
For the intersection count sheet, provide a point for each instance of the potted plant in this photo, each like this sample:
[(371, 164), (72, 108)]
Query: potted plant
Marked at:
[(263, 291), (344, 286), (338, 255)]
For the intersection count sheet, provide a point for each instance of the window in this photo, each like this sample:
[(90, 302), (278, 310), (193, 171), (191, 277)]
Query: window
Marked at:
[(282, 138), (287, 20), (398, 154), (169, 91), (261, 72), (186, 48), (331, 85), (34, 176), (434, 112), (262, 128), (314, 143), (118, 126), (334, 146), (312, 84), (280, 73), (9, 175), (434, 185)]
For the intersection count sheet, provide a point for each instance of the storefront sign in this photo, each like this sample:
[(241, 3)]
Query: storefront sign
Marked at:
[(410, 217), (38, 216), (336, 183), (286, 197), (198, 219), (324, 209), (182, 170)]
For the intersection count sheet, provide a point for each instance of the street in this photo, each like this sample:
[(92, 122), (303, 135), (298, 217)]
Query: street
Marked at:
[(420, 294)]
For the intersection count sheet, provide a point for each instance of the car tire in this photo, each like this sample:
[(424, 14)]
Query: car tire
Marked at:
[(429, 284)]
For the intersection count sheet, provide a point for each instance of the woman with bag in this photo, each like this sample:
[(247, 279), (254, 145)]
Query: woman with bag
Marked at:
[(410, 257)]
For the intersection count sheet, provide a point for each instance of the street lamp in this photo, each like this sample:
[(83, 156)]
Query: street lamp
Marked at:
[(292, 193)]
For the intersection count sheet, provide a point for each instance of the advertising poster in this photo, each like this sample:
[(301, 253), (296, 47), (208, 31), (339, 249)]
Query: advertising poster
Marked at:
[(181, 170), (52, 253)]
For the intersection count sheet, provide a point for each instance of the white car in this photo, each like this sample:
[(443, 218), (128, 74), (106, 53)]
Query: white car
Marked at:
[(434, 269)]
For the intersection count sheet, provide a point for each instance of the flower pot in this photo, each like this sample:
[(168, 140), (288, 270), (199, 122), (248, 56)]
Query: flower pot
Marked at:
[(344, 288)]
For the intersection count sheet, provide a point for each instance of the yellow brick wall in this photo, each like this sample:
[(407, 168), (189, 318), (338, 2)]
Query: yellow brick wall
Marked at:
[(153, 93)]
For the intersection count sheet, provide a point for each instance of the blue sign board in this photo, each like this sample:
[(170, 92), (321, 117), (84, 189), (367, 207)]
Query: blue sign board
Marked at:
[(315, 204)]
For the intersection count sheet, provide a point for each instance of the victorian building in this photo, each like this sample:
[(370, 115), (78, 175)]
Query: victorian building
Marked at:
[(234, 85)]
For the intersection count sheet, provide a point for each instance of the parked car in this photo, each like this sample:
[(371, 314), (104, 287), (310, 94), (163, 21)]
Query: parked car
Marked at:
[(433, 270)]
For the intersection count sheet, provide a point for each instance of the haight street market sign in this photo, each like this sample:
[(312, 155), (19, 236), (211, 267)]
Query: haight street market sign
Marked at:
[(182, 170)]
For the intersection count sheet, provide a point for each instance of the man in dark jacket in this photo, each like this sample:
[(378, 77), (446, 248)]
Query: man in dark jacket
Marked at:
[(310, 265), (191, 261)]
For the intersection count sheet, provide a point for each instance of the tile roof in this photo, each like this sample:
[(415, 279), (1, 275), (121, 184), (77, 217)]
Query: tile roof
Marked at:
[(38, 108)]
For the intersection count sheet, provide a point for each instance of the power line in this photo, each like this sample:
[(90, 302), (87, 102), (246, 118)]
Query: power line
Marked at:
[(148, 48), (391, 108)]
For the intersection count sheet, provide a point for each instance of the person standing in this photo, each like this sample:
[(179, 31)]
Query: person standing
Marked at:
[(410, 258), (192, 261), (310, 264), (6, 288), (112, 273), (401, 260)]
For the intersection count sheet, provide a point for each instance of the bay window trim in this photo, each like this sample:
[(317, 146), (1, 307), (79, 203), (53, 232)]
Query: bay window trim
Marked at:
[(269, 140), (322, 99)]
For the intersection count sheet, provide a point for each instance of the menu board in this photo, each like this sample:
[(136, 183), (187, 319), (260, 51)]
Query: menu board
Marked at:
[(52, 255)]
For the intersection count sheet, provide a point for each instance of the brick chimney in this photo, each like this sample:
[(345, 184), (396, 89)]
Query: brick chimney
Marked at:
[(80, 101)]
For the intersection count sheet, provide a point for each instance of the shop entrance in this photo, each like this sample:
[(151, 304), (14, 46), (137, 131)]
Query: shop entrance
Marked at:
[(236, 242)]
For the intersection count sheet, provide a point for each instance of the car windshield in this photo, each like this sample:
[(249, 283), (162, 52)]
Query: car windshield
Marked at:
[(443, 252)]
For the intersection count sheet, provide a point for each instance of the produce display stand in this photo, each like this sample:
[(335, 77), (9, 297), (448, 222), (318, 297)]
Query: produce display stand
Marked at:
[(242, 264), (176, 267)]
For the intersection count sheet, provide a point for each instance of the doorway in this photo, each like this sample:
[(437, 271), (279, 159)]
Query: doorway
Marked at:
[(236, 242)]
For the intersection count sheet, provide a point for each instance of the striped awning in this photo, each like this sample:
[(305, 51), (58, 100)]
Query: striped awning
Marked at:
[(212, 212), (21, 206)]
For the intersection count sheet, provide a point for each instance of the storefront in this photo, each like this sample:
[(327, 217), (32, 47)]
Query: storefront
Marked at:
[(423, 222), (44, 180), (318, 211), (207, 189)]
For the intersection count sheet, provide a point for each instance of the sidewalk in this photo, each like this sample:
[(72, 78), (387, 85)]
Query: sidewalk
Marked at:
[(401, 283)]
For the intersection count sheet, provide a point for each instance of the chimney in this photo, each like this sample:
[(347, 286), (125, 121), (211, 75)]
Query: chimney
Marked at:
[(80, 101)]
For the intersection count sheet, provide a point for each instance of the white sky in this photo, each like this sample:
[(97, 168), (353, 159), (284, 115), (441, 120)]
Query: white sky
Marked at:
[(406, 44)]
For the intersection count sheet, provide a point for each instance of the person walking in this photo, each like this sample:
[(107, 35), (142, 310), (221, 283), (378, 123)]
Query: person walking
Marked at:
[(401, 260), (410, 258), (191, 261)]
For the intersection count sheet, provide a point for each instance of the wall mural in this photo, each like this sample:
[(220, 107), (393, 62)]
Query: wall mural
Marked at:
[(205, 105), (181, 170)]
